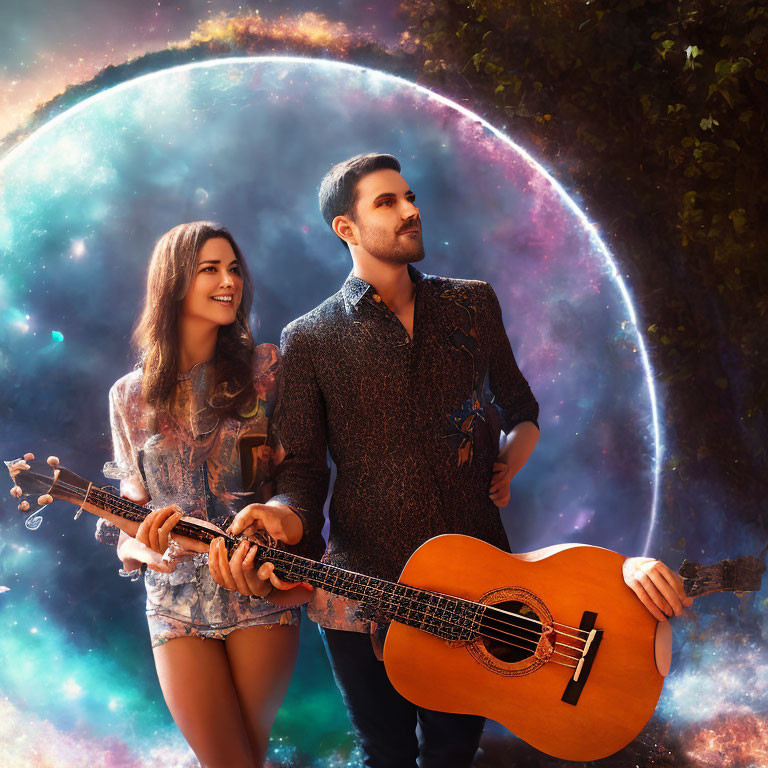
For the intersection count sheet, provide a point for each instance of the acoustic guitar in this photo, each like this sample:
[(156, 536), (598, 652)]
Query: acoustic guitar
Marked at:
[(551, 644)]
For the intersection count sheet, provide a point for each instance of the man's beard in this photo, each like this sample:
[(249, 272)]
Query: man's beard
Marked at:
[(393, 249)]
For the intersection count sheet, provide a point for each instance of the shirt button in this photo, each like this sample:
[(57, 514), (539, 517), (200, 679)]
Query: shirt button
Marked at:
[(376, 297)]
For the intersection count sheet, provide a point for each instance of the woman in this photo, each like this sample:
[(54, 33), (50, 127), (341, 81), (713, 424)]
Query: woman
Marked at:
[(189, 429)]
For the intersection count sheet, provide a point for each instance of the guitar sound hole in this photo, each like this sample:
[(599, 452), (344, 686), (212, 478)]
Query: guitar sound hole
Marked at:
[(510, 636)]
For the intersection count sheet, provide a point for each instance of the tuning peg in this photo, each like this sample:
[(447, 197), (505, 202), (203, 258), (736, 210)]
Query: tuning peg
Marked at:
[(53, 461), (16, 492), (46, 498)]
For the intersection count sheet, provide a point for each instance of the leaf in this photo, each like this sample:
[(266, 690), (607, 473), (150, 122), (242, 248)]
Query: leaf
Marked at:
[(689, 199), (706, 123), (740, 65), (738, 218), (723, 68), (666, 47)]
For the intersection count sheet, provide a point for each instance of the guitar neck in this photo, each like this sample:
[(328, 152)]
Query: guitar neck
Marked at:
[(129, 510), (448, 617), (451, 618)]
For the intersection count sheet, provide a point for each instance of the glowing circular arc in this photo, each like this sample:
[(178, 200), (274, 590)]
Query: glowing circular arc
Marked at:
[(590, 228)]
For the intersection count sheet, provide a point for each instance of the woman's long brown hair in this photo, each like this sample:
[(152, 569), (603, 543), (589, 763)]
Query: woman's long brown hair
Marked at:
[(171, 271)]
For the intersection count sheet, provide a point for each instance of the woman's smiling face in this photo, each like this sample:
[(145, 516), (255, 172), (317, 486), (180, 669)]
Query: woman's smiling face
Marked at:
[(217, 286)]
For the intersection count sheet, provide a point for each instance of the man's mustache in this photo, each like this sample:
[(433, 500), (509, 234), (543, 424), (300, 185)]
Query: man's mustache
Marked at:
[(414, 223)]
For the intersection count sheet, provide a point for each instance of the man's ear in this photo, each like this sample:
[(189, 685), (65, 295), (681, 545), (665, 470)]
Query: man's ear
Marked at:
[(344, 227)]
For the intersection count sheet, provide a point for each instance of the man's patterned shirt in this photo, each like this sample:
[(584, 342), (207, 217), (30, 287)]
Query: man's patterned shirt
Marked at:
[(413, 425)]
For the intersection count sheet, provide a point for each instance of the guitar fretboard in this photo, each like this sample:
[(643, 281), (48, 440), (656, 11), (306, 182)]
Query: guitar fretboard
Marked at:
[(129, 510), (448, 617)]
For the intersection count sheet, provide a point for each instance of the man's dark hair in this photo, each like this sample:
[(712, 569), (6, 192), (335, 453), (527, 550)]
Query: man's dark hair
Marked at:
[(338, 189)]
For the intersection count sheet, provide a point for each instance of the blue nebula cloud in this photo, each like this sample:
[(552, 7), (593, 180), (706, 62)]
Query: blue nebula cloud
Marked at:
[(245, 142)]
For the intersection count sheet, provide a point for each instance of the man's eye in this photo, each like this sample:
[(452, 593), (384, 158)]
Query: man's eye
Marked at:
[(385, 202)]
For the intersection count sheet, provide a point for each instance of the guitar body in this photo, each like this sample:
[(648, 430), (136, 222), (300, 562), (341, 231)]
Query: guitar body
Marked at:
[(560, 583), (552, 643)]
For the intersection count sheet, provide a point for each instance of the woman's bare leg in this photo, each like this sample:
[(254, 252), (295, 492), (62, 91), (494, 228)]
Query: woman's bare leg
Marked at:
[(261, 660), (198, 688)]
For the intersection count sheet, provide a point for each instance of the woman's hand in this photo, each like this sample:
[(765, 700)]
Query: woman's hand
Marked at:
[(156, 526), (278, 520), (150, 541), (133, 553), (659, 588)]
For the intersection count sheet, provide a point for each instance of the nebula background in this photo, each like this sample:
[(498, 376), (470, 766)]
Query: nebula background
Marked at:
[(245, 142)]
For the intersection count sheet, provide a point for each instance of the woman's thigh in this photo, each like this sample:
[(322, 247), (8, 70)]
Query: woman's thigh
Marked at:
[(261, 660), (199, 690)]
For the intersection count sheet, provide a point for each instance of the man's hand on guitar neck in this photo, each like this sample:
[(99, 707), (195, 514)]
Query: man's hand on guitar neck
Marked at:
[(657, 587), (240, 573)]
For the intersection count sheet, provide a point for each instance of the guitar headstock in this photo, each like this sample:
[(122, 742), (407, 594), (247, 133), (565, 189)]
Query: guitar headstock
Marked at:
[(43, 481), (744, 574)]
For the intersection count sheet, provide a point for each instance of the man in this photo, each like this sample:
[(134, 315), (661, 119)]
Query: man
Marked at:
[(408, 381)]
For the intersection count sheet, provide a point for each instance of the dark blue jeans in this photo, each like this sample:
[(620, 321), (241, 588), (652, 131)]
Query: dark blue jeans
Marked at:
[(393, 733)]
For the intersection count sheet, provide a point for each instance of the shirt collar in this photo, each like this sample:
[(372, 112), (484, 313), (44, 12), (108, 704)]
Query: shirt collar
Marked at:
[(355, 288)]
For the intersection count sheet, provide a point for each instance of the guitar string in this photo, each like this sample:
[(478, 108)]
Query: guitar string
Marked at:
[(496, 609), (126, 506), (423, 613), (527, 629), (485, 607)]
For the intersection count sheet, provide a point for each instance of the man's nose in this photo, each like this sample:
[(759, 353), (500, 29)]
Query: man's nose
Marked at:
[(409, 210)]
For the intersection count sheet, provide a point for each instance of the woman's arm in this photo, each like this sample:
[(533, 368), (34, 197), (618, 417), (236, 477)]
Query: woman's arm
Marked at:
[(135, 550)]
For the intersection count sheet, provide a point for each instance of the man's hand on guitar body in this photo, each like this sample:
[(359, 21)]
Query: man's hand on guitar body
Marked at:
[(657, 587)]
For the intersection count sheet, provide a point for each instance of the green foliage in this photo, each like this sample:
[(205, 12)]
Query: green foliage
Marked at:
[(655, 114)]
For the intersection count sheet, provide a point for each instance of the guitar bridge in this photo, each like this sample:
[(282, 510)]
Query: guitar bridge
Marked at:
[(581, 673)]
